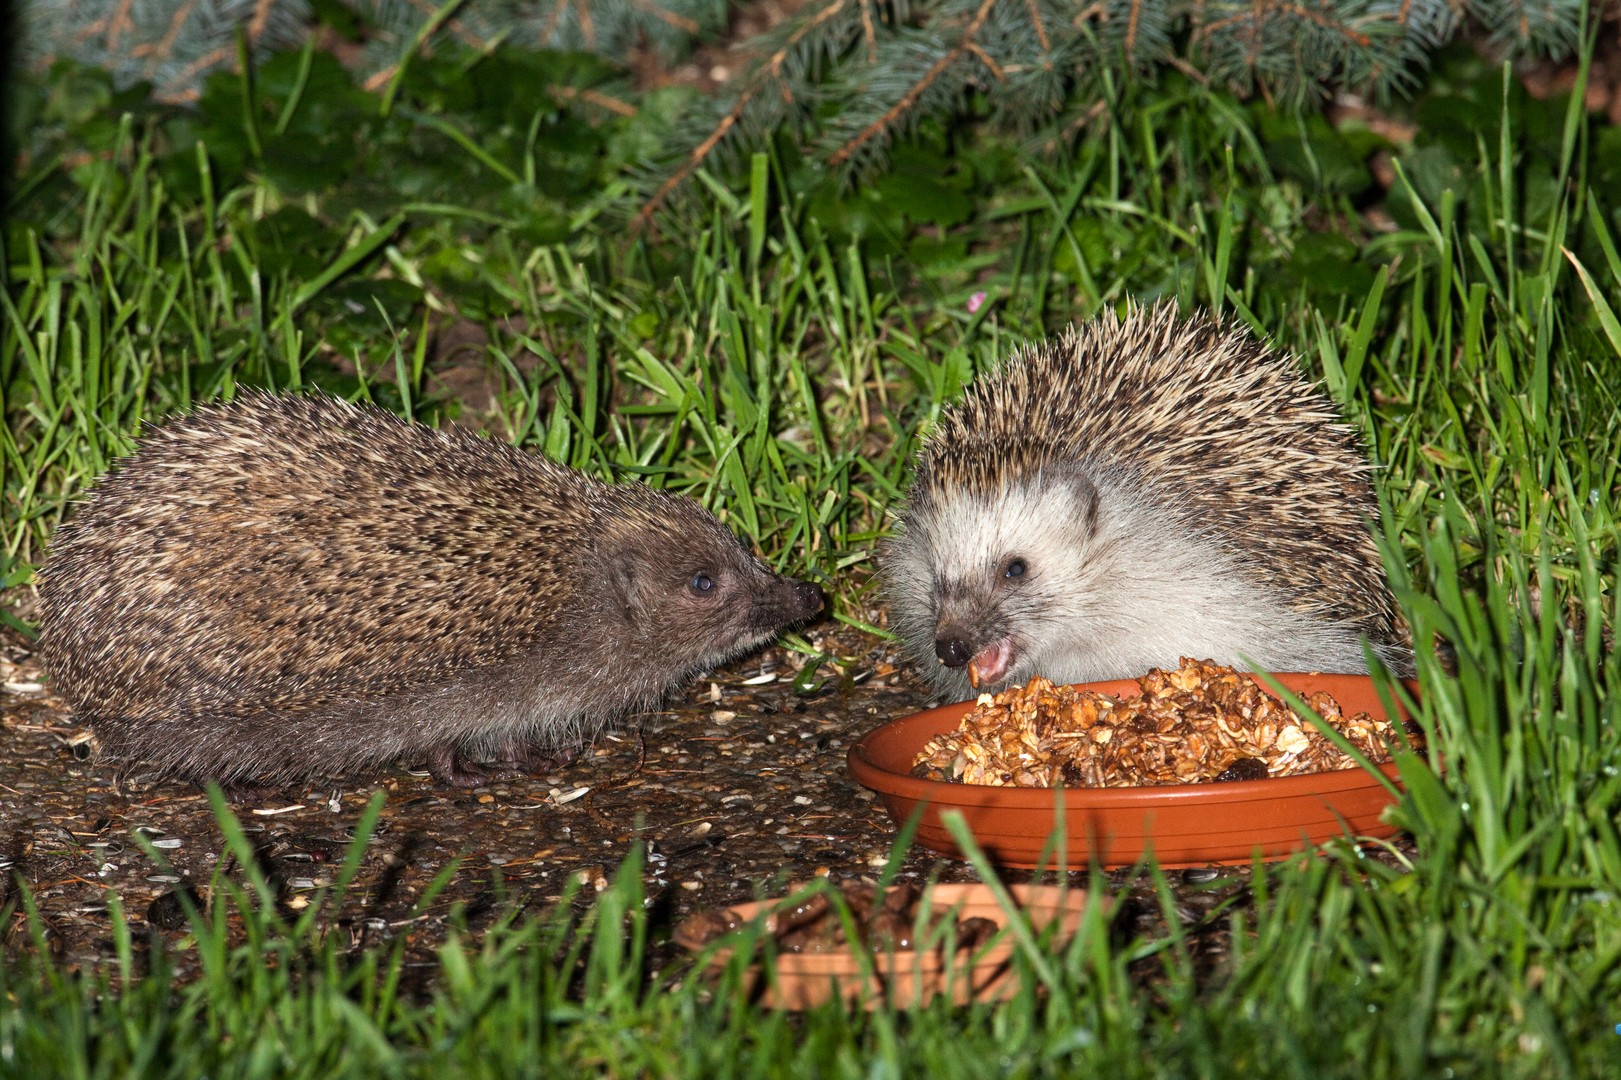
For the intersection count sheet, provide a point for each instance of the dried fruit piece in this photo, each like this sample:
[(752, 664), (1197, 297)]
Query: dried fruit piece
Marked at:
[(1245, 768)]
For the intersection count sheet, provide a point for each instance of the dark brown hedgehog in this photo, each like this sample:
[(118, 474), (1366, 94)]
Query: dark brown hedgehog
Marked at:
[(283, 587), (1131, 493)]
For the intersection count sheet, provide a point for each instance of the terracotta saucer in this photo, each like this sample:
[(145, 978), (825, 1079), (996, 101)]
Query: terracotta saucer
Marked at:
[(1184, 825), (911, 977)]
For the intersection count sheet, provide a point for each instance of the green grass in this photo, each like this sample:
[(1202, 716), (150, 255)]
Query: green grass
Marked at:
[(777, 363)]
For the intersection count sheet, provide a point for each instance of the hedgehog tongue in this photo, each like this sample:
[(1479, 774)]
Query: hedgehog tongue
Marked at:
[(991, 663)]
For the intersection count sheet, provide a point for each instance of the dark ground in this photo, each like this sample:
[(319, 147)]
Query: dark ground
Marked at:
[(738, 787)]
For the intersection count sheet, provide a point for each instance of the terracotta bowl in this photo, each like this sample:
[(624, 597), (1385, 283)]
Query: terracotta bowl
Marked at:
[(907, 978), (1190, 825)]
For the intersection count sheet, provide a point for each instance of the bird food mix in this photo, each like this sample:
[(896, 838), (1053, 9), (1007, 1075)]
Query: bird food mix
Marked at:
[(1202, 722)]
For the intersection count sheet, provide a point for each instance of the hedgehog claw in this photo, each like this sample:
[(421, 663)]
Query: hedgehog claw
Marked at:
[(452, 768), (528, 758), (518, 758)]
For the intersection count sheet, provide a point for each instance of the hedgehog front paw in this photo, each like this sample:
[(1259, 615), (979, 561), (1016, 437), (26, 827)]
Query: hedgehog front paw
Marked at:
[(528, 758), (452, 768), (516, 758)]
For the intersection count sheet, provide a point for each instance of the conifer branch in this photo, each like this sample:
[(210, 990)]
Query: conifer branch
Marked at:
[(1133, 19), (869, 32), (841, 76), (119, 24), (176, 25), (587, 26), (189, 73), (915, 91), (595, 97), (645, 215), (767, 72), (261, 16), (1039, 24), (679, 22), (1265, 9), (985, 58)]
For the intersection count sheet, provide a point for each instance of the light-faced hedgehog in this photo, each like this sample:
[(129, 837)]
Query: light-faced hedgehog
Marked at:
[(1131, 493), (287, 586)]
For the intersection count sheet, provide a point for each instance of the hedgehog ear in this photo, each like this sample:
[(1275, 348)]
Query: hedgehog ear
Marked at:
[(618, 562), (1076, 478), (627, 585), (624, 582)]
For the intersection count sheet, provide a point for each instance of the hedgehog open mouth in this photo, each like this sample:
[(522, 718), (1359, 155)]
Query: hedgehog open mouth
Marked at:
[(991, 663)]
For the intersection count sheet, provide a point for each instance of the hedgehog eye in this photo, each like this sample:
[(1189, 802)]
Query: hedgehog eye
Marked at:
[(703, 583), (1015, 568)]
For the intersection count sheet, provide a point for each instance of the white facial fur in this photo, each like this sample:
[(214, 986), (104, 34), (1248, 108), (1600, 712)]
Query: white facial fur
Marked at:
[(1105, 595)]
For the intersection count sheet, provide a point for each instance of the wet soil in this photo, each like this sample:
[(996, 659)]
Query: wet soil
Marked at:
[(738, 787)]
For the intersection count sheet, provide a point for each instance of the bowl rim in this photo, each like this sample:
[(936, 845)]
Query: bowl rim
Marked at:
[(1043, 904), (872, 775), (909, 978)]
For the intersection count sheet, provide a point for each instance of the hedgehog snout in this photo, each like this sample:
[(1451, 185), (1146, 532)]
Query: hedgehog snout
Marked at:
[(788, 601), (953, 652), (810, 595)]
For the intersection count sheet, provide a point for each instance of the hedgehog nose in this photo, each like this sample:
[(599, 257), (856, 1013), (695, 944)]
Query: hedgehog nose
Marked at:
[(810, 595), (953, 652)]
